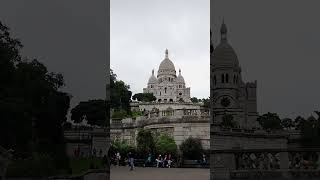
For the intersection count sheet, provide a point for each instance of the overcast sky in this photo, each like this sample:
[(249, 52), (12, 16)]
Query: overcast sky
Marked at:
[(277, 43), (141, 30), (69, 37)]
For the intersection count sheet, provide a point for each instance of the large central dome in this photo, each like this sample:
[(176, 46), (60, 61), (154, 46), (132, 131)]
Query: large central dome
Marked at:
[(224, 55), (166, 66)]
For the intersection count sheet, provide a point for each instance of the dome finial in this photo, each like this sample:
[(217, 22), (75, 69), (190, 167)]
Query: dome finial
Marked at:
[(179, 71), (167, 53), (223, 31), (152, 71)]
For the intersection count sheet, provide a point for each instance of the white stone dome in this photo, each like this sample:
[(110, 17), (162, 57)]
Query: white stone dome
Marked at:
[(152, 79), (166, 67), (167, 64), (180, 78)]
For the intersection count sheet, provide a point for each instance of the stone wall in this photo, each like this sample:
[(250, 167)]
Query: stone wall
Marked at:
[(178, 128)]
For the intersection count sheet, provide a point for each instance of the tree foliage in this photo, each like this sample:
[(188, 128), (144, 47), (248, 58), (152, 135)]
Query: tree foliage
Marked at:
[(270, 121), (122, 147), (144, 97), (145, 141), (191, 148), (120, 94), (32, 107), (165, 145), (310, 131), (95, 111), (194, 100)]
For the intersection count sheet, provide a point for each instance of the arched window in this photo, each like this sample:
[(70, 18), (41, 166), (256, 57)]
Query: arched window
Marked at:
[(222, 78), (160, 93), (234, 79), (227, 78), (165, 90), (214, 80)]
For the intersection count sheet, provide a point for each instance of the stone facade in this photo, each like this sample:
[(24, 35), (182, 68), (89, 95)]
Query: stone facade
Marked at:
[(179, 124), (87, 141), (167, 86)]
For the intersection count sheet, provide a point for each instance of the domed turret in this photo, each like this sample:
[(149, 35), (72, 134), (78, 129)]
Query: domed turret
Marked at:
[(152, 79), (224, 55), (180, 78), (166, 66)]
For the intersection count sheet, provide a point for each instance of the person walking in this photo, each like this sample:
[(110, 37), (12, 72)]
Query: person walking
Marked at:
[(131, 160), (169, 161), (118, 157), (148, 161), (204, 160)]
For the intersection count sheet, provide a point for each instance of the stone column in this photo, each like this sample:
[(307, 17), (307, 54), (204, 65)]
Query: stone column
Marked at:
[(284, 164), (221, 166)]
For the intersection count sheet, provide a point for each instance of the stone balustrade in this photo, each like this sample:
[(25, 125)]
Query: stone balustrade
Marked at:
[(266, 163)]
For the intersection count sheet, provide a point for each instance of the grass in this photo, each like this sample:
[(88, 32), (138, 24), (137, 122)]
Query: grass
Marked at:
[(81, 165)]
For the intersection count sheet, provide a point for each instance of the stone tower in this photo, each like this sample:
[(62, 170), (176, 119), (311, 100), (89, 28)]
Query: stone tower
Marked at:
[(229, 94)]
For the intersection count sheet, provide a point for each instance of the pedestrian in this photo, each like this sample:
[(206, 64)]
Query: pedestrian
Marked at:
[(169, 161), (131, 160), (204, 160), (94, 152), (165, 161), (118, 157), (148, 161), (158, 160)]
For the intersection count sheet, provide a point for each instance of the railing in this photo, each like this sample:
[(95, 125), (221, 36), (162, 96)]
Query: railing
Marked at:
[(250, 163)]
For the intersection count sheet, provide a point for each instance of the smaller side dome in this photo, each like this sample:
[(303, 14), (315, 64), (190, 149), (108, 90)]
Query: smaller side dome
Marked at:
[(152, 79), (180, 78)]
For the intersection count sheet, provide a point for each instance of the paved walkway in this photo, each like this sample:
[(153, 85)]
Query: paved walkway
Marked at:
[(123, 173)]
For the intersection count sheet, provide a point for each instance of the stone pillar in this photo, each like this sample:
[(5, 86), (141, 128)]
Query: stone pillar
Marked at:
[(284, 164), (221, 166)]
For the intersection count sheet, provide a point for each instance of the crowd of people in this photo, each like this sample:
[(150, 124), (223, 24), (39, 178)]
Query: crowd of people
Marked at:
[(164, 161), (161, 161)]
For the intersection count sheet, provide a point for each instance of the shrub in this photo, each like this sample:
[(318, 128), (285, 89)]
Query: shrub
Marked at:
[(119, 114), (165, 145), (40, 165), (191, 148), (123, 148)]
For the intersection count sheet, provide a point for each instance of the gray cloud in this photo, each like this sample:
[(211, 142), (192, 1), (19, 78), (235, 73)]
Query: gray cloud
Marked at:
[(141, 30), (69, 37), (277, 45)]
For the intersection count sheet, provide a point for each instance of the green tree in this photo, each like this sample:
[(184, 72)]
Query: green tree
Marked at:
[(145, 141), (270, 121), (287, 123), (310, 131), (206, 102), (32, 107), (120, 94), (144, 97), (194, 100), (227, 121), (95, 111), (191, 148), (165, 145), (122, 147), (299, 122)]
